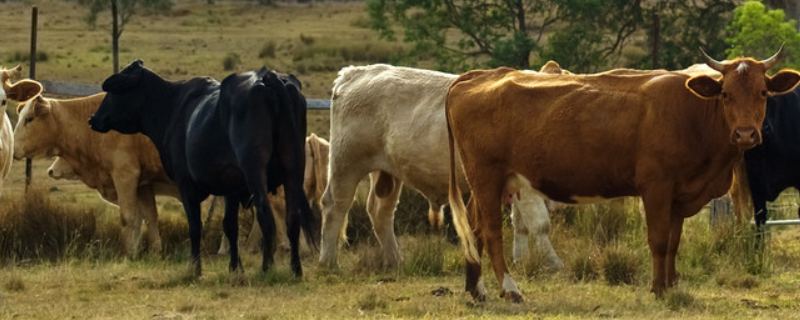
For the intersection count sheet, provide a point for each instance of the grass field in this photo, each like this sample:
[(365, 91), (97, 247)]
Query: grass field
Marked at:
[(71, 267)]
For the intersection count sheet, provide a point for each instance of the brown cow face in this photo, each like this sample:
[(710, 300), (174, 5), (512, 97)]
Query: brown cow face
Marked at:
[(743, 91), (35, 130)]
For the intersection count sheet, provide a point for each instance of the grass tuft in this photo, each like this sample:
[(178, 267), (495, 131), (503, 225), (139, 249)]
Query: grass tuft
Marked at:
[(677, 299), (14, 284), (424, 256), (620, 265), (371, 302)]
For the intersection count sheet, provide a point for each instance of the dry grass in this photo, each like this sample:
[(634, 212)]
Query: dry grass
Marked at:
[(723, 276)]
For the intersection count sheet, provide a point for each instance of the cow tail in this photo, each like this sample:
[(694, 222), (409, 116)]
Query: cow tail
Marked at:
[(740, 194), (457, 206)]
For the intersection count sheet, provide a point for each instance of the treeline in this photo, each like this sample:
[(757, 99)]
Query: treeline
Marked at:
[(585, 35)]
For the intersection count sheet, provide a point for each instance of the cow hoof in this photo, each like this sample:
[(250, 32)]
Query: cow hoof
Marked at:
[(514, 297), (478, 296)]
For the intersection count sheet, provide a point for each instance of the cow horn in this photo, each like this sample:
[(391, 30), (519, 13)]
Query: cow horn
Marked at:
[(774, 59), (713, 64)]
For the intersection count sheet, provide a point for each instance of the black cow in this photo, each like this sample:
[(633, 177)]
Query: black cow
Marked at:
[(773, 166), (237, 139)]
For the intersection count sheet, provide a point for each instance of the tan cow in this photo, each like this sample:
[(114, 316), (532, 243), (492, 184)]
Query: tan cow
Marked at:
[(671, 138), (125, 169), (389, 122)]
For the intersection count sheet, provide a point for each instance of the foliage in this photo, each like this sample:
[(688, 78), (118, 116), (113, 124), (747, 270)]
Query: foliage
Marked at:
[(583, 36), (758, 32), (685, 26), (599, 30)]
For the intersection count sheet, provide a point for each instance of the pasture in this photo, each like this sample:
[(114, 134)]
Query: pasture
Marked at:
[(68, 264)]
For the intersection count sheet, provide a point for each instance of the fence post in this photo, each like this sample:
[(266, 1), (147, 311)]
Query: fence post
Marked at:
[(32, 75)]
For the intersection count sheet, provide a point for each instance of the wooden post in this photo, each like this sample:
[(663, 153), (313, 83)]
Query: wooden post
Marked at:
[(656, 27), (32, 75)]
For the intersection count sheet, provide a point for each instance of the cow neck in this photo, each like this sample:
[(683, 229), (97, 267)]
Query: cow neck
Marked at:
[(158, 112), (72, 124)]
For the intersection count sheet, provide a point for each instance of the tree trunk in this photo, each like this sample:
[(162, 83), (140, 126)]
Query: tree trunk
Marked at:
[(523, 59), (115, 35)]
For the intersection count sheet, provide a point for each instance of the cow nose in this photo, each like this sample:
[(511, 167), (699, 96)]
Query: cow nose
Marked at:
[(746, 136)]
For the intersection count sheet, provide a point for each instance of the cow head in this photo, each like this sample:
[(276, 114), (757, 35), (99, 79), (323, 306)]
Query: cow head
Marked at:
[(743, 91), (60, 169), (5, 76), (35, 130), (122, 106)]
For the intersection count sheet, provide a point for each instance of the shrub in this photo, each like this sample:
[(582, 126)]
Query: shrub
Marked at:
[(584, 267), (620, 265), (268, 50), (231, 61)]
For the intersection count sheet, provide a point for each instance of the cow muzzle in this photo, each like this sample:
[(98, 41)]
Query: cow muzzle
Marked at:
[(746, 137), (97, 124)]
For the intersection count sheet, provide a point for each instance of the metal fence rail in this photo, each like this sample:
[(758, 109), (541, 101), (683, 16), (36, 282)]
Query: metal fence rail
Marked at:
[(77, 89)]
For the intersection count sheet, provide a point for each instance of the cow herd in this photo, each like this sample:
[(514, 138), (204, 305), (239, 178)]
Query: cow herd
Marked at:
[(512, 137)]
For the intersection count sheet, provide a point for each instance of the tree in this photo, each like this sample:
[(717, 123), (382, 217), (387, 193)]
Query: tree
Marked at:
[(121, 13), (758, 32), (464, 34), (790, 7), (687, 25)]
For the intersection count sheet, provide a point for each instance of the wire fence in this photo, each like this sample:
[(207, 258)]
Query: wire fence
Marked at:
[(56, 88)]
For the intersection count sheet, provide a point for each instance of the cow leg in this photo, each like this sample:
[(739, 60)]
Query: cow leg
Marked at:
[(676, 229), (278, 205), (253, 244), (191, 205), (147, 207), (529, 213), (475, 284), (336, 201), (435, 215), (126, 183), (230, 226), (658, 214), (488, 193), (383, 198)]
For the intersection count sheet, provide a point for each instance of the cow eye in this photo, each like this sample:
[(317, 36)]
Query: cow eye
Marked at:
[(764, 93), (724, 95), (3, 103), (28, 120)]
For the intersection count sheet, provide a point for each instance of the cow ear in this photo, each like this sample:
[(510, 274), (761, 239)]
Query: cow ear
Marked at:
[(119, 81), (783, 81), (40, 107), (704, 86), (24, 90)]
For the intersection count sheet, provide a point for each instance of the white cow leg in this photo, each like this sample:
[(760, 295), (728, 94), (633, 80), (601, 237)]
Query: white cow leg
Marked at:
[(520, 251), (381, 213), (336, 202), (531, 212)]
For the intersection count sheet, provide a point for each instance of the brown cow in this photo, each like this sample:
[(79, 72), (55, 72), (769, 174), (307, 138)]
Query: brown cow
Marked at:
[(669, 137)]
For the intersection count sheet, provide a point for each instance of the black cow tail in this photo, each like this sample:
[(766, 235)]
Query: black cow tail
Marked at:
[(309, 224)]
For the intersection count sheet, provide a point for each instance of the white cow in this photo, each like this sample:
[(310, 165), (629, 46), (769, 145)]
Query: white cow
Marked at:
[(389, 122), (124, 169), (6, 133)]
